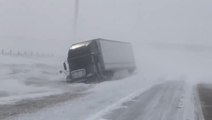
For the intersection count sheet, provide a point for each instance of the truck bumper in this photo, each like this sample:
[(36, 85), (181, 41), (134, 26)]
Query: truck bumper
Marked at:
[(88, 78)]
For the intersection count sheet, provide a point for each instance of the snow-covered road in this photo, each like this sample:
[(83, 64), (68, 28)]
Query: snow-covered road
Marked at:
[(162, 102), (96, 99)]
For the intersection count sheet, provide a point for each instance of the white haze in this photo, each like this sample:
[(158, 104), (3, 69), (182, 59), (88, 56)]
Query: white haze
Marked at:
[(170, 37)]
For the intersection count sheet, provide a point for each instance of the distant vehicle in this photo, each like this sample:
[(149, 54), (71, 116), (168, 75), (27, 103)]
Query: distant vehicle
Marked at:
[(98, 59)]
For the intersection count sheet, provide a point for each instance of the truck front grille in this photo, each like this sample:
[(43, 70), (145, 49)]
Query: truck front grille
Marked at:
[(78, 73)]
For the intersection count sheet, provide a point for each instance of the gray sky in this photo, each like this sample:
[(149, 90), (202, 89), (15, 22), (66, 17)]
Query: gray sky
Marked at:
[(47, 25)]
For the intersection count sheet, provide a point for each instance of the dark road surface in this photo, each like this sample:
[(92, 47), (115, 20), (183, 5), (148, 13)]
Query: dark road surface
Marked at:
[(205, 95)]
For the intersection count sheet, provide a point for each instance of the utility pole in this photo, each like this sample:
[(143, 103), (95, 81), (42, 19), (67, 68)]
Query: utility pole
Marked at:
[(76, 17)]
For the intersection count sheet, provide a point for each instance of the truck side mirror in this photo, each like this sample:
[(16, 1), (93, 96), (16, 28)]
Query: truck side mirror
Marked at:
[(65, 67)]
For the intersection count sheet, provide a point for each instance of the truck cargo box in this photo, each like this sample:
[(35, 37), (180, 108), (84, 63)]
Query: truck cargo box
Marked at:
[(116, 55)]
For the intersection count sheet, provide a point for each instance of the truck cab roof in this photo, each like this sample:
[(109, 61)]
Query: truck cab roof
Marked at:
[(81, 44)]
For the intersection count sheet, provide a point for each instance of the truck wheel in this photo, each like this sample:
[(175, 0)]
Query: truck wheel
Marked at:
[(131, 71), (93, 79), (109, 75), (68, 79)]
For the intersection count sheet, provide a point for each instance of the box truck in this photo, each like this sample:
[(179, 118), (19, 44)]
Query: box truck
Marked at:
[(98, 59)]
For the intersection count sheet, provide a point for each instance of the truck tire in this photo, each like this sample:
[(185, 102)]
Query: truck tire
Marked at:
[(68, 79), (109, 75), (131, 71)]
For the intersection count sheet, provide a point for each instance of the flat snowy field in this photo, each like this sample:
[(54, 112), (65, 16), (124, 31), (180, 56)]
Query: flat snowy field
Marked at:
[(21, 76), (35, 78), (31, 77)]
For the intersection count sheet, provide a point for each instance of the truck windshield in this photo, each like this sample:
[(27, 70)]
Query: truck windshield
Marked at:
[(79, 58)]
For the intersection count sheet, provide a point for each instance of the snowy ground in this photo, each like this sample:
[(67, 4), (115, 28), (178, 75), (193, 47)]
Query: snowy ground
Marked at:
[(34, 78), (97, 99), (107, 102), (31, 77)]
